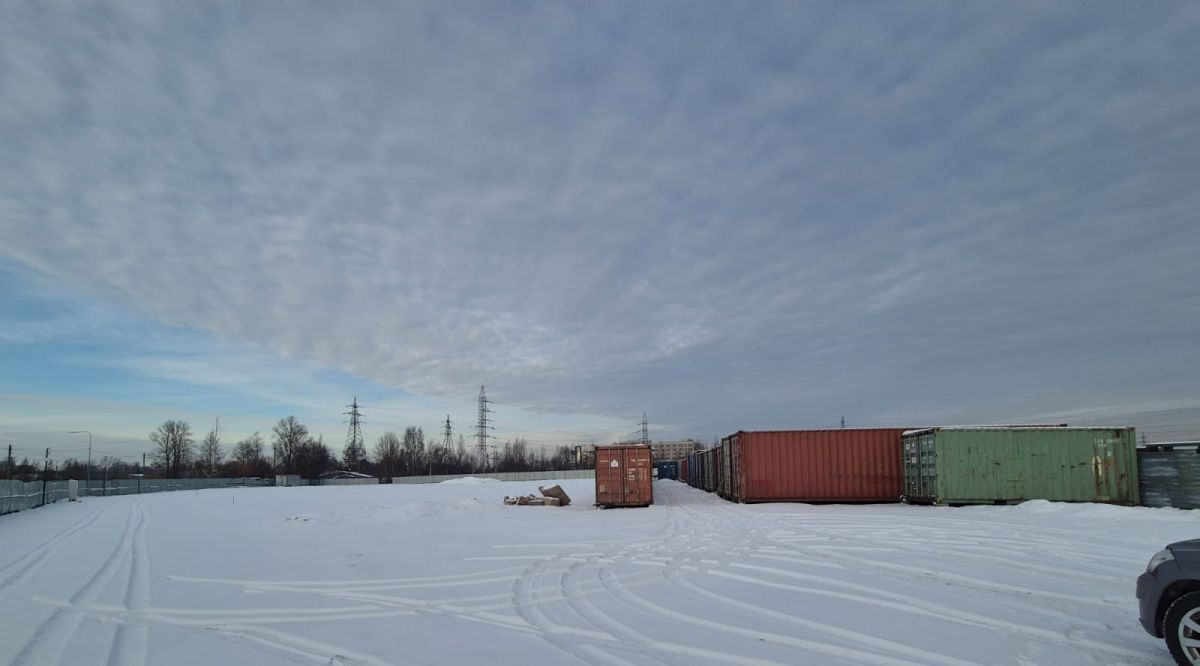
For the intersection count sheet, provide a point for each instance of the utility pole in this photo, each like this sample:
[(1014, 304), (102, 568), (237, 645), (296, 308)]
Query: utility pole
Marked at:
[(354, 439), (10, 462), (45, 474), (483, 426)]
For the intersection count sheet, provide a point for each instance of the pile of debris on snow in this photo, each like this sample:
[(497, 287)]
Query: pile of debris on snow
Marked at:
[(552, 496)]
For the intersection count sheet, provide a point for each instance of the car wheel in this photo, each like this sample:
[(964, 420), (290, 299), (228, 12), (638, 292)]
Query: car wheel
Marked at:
[(1181, 626)]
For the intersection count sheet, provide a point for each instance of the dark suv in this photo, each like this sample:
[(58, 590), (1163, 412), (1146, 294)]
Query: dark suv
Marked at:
[(1169, 599)]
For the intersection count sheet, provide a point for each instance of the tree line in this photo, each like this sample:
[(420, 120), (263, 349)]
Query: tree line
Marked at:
[(292, 449)]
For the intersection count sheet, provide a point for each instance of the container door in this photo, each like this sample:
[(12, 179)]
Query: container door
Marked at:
[(911, 468), (609, 476), (927, 453), (628, 461), (920, 466), (1104, 467)]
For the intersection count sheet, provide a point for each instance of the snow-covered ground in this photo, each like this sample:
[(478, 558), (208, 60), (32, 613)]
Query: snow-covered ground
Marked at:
[(444, 574)]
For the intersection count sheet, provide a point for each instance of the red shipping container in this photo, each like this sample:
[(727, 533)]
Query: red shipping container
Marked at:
[(844, 465), (623, 475), (683, 470)]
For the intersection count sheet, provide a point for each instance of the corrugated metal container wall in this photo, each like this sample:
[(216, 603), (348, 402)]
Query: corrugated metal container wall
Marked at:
[(996, 465), (719, 470), (723, 464), (683, 470), (843, 465), (623, 476), (710, 470), (1169, 475)]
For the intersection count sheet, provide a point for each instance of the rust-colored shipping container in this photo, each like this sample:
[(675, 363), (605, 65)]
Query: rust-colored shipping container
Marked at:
[(683, 470), (843, 465), (623, 475)]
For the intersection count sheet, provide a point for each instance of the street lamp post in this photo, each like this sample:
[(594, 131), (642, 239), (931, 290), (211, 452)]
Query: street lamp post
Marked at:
[(89, 469)]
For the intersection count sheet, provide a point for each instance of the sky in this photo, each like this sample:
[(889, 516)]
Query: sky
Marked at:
[(727, 216)]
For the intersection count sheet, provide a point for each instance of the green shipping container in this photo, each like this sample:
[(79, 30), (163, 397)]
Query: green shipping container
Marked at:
[(1007, 465)]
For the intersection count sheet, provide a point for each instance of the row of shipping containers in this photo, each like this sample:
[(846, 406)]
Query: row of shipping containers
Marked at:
[(962, 465)]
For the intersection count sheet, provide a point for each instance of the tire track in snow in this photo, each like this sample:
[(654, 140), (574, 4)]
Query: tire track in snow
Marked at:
[(993, 548), (347, 583), (50, 640), (746, 535), (843, 556), (129, 643), (883, 645), (579, 602), (313, 650), (873, 595), (847, 530), (612, 581), (31, 562), (525, 604)]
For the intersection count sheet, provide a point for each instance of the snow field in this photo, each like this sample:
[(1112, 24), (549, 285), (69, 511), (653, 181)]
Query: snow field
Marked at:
[(443, 573)]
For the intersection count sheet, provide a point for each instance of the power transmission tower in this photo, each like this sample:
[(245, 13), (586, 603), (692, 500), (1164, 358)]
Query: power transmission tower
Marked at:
[(447, 435), (645, 430), (843, 421), (355, 451), (483, 426)]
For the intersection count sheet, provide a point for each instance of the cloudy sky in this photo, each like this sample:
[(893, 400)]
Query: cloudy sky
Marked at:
[(727, 215)]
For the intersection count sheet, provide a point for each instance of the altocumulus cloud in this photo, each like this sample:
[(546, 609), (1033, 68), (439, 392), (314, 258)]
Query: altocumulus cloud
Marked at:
[(765, 215)]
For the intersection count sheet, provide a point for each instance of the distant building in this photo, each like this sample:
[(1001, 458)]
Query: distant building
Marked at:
[(345, 478), (674, 450), (585, 456)]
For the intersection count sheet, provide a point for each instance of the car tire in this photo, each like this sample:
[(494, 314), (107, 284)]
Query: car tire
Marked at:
[(1181, 627)]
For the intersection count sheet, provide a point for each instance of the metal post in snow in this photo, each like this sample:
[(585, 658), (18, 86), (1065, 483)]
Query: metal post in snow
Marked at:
[(45, 474)]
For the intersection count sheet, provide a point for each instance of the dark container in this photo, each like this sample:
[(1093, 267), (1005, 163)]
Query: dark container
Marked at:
[(683, 470), (623, 475), (990, 465), (842, 465), (667, 469), (1169, 475)]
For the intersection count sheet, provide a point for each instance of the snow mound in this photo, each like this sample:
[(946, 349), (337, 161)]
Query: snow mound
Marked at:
[(1081, 510), (467, 481)]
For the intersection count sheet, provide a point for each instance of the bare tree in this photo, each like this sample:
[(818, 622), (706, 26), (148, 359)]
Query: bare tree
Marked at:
[(413, 450), (289, 435), (312, 458), (387, 453), (250, 456), (210, 452), (173, 447)]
